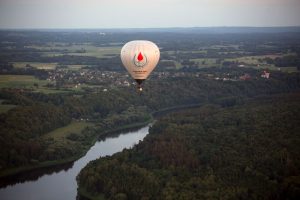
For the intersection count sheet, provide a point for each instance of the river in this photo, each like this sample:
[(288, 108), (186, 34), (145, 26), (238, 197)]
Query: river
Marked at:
[(59, 183)]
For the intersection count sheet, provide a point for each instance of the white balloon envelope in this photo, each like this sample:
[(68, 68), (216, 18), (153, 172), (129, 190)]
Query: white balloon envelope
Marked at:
[(140, 57)]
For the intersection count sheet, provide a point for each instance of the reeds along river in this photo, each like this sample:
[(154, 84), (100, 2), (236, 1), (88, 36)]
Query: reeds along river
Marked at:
[(59, 182)]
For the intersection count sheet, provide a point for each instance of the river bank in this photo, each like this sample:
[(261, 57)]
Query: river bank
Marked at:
[(59, 182), (197, 153), (91, 141), (154, 115)]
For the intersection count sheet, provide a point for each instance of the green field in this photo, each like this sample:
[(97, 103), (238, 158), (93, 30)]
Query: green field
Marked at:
[(288, 69), (20, 81), (4, 108), (73, 127), (27, 82), (253, 61), (75, 49), (205, 62), (98, 52), (46, 66), (250, 60), (218, 46), (75, 67)]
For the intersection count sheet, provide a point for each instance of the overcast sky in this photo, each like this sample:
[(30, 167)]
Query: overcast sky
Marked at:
[(147, 13)]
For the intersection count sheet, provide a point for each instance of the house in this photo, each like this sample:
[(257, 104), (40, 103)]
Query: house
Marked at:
[(245, 77), (265, 75)]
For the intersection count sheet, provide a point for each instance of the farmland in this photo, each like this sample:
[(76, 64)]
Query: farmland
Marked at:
[(67, 88), (20, 81)]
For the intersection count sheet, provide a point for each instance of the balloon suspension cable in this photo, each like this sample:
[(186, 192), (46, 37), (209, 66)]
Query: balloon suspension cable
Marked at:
[(139, 85), (139, 88)]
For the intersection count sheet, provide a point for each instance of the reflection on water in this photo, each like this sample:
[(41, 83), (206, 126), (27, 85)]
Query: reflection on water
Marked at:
[(33, 175), (60, 182)]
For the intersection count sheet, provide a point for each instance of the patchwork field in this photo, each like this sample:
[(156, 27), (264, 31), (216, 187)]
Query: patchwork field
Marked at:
[(46, 66), (28, 82), (20, 81), (78, 50)]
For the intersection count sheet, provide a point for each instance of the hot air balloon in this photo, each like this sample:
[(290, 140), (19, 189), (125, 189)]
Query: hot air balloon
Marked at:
[(140, 57)]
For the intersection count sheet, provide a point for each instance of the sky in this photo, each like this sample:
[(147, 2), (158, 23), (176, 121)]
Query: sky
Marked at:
[(147, 13)]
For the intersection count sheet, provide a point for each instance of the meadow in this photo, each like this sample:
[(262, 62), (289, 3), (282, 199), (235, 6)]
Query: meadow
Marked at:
[(63, 132), (87, 49), (20, 81), (29, 82)]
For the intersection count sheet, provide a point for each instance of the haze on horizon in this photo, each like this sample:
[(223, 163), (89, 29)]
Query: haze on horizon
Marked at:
[(147, 14)]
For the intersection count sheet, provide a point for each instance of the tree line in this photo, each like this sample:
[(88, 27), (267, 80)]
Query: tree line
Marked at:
[(22, 128), (249, 151)]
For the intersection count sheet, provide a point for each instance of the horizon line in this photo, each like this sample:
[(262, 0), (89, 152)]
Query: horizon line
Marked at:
[(175, 27)]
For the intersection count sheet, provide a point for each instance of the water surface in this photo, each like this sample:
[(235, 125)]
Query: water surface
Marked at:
[(59, 183)]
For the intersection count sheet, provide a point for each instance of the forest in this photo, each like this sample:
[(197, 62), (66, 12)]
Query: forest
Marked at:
[(246, 151), (61, 90), (24, 127)]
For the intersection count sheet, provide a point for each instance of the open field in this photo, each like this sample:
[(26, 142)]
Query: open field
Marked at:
[(46, 66), (75, 67), (20, 81), (4, 108), (205, 62), (28, 82), (78, 50), (32, 83), (73, 127), (99, 52), (250, 60), (217, 46)]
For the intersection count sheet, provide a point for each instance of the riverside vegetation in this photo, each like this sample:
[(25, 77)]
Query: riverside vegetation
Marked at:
[(62, 90), (247, 151), (25, 140)]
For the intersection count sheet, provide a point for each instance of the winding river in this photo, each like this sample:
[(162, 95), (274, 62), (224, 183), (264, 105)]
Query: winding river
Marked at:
[(59, 183)]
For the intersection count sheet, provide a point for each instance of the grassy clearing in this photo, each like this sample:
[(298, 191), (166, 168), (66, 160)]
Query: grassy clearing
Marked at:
[(288, 69), (52, 54), (193, 51), (254, 60), (99, 52), (4, 108), (60, 142), (51, 91), (73, 127), (205, 62), (75, 67), (218, 47), (28, 82), (46, 66), (178, 65), (20, 81), (90, 50), (249, 60)]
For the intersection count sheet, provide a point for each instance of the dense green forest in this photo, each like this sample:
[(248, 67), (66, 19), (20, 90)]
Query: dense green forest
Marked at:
[(60, 89), (24, 128), (246, 151)]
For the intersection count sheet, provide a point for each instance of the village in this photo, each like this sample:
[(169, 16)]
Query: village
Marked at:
[(92, 78)]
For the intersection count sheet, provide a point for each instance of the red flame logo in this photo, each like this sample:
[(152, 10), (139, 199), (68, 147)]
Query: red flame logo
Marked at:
[(140, 57)]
